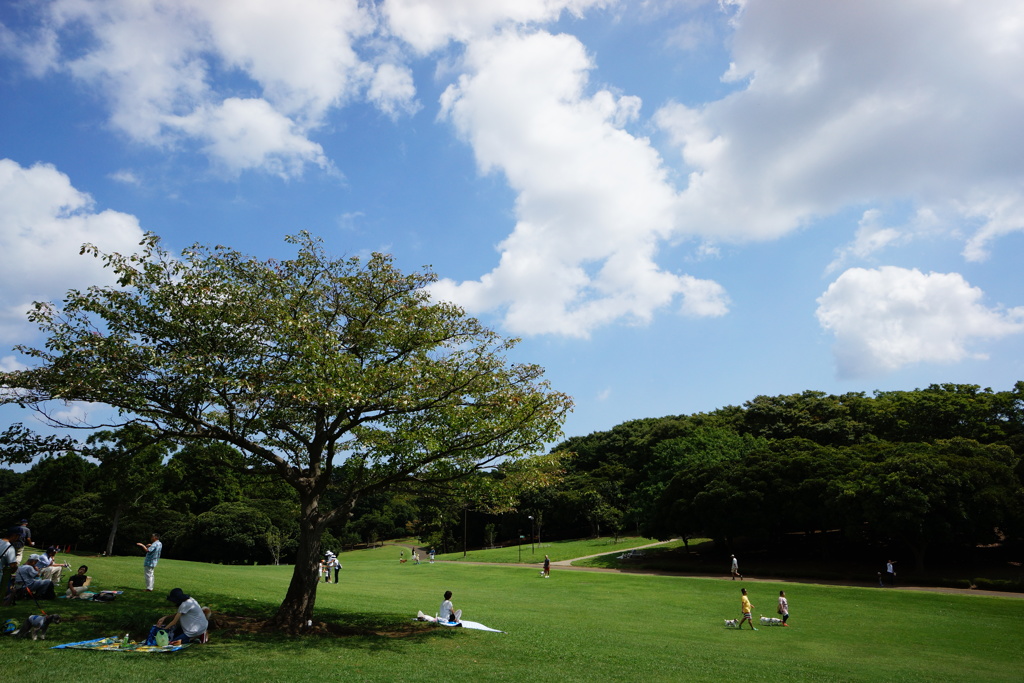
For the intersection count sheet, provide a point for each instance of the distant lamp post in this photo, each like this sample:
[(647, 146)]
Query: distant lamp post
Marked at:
[(520, 545), (531, 534)]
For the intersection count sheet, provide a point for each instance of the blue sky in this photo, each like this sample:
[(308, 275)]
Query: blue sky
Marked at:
[(677, 205)]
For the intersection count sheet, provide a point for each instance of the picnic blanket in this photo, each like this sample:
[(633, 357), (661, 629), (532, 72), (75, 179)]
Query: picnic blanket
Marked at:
[(92, 595), (471, 624), (113, 644)]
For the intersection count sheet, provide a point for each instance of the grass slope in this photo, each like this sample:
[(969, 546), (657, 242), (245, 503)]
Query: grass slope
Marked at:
[(575, 626)]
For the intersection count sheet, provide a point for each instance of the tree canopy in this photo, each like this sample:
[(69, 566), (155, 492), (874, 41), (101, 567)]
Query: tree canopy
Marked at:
[(339, 376)]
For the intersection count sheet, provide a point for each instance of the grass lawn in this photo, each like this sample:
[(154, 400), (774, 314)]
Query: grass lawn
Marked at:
[(575, 626), (560, 550)]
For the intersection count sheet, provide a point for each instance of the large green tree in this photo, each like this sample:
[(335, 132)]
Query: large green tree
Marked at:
[(342, 377)]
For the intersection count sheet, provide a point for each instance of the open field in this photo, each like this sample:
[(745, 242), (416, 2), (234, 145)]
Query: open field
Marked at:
[(559, 550), (576, 626)]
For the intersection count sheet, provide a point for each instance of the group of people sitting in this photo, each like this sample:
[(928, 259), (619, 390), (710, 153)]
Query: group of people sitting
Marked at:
[(37, 576)]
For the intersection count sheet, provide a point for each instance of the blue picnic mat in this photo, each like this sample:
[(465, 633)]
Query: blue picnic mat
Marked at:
[(113, 644)]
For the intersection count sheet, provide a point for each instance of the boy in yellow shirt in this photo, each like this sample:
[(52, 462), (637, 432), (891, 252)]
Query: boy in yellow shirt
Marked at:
[(746, 608)]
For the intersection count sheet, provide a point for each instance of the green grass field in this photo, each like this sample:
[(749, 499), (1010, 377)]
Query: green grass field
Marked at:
[(561, 550), (575, 626)]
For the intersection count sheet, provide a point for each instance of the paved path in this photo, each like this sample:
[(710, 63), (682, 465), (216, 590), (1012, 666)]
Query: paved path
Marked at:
[(567, 565)]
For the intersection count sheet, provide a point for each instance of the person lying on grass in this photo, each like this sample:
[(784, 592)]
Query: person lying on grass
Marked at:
[(189, 623)]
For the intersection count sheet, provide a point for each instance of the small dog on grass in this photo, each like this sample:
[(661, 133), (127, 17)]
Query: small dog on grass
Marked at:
[(36, 625), (730, 623), (771, 621)]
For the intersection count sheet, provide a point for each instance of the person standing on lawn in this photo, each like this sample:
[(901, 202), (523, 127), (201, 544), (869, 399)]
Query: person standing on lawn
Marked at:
[(783, 607), (152, 557), (736, 569), (746, 608), (24, 538), (8, 558), (547, 567)]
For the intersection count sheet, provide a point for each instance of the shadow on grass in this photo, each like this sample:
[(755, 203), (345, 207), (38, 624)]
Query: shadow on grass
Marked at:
[(242, 622), (237, 620)]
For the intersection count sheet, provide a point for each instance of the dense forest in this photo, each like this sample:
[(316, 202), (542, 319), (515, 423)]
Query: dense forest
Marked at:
[(924, 471)]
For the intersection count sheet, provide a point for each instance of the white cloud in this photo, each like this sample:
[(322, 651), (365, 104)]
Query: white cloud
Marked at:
[(593, 201), (886, 318), (183, 70), (250, 134), (430, 24), (11, 364), (873, 235), (393, 91), (125, 176), (856, 104), (999, 213), (43, 223)]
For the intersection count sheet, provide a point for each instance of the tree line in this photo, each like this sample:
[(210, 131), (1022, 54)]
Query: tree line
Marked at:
[(932, 469)]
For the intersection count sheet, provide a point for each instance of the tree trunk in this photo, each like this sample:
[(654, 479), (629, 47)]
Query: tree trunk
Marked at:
[(918, 549), (113, 530), (295, 615)]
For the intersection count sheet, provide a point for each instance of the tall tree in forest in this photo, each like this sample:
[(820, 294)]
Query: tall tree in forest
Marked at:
[(131, 460), (340, 376)]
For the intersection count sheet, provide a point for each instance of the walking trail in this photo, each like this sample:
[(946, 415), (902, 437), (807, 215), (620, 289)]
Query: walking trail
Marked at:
[(567, 565)]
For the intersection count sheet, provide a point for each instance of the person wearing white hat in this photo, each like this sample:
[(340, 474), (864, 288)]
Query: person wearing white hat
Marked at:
[(27, 576), (332, 563)]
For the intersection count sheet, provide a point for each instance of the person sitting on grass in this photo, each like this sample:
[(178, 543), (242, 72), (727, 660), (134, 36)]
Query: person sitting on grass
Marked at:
[(446, 614), (27, 576), (48, 567), (78, 583), (189, 623), (746, 608)]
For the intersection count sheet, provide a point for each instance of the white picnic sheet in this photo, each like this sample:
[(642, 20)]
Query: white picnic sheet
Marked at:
[(472, 624)]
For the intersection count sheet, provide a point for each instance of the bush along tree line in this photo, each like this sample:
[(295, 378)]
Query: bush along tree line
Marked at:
[(337, 380)]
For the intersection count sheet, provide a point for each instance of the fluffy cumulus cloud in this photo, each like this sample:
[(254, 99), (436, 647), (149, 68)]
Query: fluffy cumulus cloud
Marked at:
[(430, 24), (886, 318), (856, 103), (259, 74), (44, 221), (593, 201), (244, 134)]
